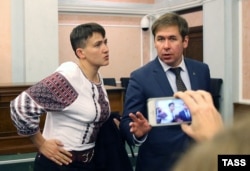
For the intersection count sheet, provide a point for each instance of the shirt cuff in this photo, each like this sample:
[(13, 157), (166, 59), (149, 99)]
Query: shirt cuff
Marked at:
[(139, 142)]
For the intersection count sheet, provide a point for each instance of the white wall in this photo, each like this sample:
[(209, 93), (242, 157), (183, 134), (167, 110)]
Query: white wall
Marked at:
[(34, 40), (17, 41), (221, 48)]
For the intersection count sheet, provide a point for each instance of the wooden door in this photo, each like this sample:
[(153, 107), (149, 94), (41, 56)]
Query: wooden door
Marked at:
[(195, 45)]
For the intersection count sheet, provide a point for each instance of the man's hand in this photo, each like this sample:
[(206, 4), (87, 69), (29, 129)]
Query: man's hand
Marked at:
[(140, 126)]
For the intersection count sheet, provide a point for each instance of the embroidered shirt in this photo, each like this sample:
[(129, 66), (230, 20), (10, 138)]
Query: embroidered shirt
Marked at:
[(75, 107)]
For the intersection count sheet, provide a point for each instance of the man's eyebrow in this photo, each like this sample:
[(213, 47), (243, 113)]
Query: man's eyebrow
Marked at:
[(166, 36)]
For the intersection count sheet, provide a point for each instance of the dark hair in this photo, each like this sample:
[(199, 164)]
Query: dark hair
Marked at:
[(171, 19), (82, 32), (171, 103)]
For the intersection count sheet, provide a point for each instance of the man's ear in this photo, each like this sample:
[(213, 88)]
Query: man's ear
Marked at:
[(185, 42)]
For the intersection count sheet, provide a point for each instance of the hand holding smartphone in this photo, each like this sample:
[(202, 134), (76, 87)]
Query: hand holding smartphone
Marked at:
[(164, 111)]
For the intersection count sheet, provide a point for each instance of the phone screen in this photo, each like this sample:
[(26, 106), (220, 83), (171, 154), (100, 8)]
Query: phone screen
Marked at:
[(170, 111)]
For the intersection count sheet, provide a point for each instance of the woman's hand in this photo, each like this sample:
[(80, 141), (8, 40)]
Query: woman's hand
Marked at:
[(52, 149)]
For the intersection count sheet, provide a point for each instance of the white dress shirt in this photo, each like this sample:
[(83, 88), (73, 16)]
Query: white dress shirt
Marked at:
[(171, 76)]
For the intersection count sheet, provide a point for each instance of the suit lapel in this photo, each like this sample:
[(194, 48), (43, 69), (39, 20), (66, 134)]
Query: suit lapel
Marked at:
[(161, 79), (192, 74)]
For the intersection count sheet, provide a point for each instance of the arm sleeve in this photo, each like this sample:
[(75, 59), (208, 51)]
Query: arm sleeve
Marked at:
[(135, 101), (53, 93), (141, 141)]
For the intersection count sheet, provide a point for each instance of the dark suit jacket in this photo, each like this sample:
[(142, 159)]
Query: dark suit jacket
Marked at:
[(182, 116), (110, 151), (164, 144)]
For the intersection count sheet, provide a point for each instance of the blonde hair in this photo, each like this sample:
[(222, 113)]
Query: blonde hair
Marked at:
[(204, 156)]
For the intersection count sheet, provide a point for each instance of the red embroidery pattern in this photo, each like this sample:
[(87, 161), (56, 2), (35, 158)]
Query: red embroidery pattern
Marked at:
[(53, 93)]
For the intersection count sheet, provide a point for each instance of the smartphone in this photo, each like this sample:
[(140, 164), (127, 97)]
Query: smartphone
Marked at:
[(164, 111)]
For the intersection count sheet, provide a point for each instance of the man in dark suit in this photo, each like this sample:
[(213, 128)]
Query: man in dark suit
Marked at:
[(184, 115), (161, 146)]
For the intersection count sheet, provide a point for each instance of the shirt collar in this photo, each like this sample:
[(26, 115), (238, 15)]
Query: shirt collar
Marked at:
[(167, 67)]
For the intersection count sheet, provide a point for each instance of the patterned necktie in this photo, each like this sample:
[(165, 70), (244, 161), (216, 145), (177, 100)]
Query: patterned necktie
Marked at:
[(179, 83)]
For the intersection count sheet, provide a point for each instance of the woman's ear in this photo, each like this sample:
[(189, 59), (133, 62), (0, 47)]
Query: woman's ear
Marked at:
[(80, 53)]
